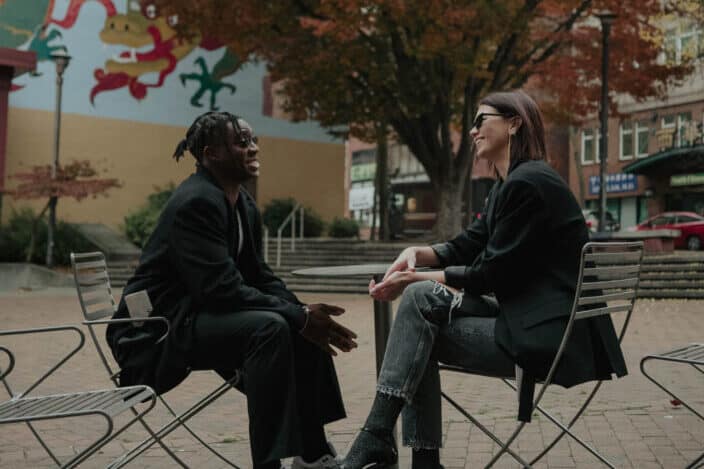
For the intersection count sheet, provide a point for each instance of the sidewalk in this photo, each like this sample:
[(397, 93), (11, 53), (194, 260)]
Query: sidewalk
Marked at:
[(630, 421)]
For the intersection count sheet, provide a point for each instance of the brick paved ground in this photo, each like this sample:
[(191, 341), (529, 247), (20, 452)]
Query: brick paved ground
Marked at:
[(630, 421)]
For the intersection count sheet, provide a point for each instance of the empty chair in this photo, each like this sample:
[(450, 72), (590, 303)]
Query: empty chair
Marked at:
[(105, 403)]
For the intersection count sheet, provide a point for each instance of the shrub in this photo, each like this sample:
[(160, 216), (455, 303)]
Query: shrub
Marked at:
[(278, 209), (140, 223), (344, 228), (16, 235)]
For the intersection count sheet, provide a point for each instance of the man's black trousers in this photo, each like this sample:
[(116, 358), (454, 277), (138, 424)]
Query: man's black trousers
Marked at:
[(290, 383)]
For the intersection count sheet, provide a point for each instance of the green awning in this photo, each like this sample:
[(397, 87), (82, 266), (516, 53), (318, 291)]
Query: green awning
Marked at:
[(670, 161)]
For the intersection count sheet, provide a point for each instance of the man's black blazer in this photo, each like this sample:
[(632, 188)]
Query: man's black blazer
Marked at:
[(526, 250), (190, 264)]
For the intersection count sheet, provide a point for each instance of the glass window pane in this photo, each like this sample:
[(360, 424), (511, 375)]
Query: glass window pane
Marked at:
[(626, 139), (588, 147)]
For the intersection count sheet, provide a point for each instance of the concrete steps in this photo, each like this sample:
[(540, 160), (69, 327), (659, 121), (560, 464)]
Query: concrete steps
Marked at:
[(678, 275)]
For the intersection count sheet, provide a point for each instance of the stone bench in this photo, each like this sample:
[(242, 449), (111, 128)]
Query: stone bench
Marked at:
[(654, 241)]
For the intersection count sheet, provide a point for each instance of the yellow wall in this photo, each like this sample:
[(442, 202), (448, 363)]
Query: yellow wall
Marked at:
[(139, 156)]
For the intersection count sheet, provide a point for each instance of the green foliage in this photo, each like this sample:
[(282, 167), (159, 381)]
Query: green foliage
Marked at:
[(140, 223), (344, 228), (16, 234), (278, 209)]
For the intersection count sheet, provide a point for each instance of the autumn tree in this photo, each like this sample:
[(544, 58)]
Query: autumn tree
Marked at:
[(76, 180), (421, 66)]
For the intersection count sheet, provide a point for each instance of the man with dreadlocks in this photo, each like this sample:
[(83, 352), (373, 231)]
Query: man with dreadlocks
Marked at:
[(202, 269)]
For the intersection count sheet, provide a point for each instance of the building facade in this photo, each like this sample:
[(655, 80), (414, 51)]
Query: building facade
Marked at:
[(655, 151), (131, 90)]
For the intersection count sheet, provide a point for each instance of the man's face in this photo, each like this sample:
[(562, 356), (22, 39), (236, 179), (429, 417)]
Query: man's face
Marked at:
[(238, 157)]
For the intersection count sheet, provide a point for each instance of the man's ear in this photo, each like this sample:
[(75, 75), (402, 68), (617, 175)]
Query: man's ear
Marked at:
[(209, 153)]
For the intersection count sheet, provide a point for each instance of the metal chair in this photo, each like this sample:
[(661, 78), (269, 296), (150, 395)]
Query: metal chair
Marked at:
[(98, 306), (609, 274), (106, 403), (692, 354)]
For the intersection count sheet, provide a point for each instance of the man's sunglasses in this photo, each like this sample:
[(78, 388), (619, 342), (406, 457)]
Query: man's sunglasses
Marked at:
[(479, 120), (246, 140)]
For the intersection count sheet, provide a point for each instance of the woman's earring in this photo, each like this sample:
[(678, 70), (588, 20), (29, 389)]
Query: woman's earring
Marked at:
[(510, 134)]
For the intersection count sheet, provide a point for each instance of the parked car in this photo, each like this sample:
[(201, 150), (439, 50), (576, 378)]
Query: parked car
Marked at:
[(690, 224), (592, 219)]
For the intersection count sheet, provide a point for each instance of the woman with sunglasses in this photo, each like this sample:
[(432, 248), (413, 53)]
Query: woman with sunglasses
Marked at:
[(524, 250)]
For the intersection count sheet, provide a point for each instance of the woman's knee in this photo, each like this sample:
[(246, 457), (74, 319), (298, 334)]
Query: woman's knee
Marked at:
[(420, 298)]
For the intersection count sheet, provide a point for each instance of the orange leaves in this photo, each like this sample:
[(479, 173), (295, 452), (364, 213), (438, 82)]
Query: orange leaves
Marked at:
[(77, 179)]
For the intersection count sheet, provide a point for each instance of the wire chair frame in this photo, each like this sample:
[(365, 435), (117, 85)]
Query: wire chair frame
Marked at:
[(102, 403), (619, 277), (98, 306)]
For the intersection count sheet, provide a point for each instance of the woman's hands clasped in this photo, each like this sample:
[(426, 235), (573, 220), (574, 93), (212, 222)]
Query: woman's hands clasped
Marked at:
[(324, 331), (397, 277)]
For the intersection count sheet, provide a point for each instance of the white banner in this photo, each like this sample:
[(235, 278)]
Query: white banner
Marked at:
[(361, 198)]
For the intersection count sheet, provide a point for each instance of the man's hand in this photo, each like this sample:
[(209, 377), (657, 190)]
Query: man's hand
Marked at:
[(324, 331)]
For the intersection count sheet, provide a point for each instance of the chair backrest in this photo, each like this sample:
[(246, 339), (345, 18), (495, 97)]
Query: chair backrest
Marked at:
[(90, 273), (609, 277), (609, 274)]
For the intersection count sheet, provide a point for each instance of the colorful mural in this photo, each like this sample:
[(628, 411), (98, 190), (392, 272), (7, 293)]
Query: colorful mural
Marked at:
[(143, 27), (139, 27), (128, 62)]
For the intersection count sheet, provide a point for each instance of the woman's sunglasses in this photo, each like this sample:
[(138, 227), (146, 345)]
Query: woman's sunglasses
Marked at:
[(479, 120)]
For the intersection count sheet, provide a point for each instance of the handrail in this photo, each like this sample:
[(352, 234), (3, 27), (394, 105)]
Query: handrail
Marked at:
[(291, 217)]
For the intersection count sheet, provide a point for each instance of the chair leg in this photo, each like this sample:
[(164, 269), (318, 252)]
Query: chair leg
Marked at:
[(107, 437), (488, 432), (171, 426), (697, 463), (566, 429), (196, 436), (33, 430), (657, 383)]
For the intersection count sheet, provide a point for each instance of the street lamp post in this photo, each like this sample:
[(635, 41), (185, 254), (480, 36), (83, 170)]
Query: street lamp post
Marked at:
[(607, 18), (61, 59)]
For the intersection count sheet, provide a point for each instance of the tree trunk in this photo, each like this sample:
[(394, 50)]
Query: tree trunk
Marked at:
[(449, 216)]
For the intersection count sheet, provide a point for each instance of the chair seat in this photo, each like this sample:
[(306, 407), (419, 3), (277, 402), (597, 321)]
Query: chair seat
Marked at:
[(110, 402), (692, 353)]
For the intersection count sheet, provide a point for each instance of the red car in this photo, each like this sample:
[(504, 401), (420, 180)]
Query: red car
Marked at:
[(690, 224)]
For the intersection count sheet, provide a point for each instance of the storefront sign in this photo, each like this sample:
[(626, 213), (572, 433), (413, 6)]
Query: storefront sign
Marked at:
[(687, 179), (619, 182), (362, 172), (361, 198)]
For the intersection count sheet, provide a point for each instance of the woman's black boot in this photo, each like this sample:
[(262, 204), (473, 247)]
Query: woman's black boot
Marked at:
[(372, 449)]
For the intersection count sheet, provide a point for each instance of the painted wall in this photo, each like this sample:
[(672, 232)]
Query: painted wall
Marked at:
[(131, 90)]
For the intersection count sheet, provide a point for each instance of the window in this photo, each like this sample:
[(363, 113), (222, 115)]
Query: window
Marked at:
[(626, 139), (634, 140), (683, 42), (678, 123), (642, 136), (662, 220), (687, 219), (590, 150)]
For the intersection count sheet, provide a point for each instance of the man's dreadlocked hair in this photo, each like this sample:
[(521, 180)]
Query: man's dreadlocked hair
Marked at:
[(208, 129)]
